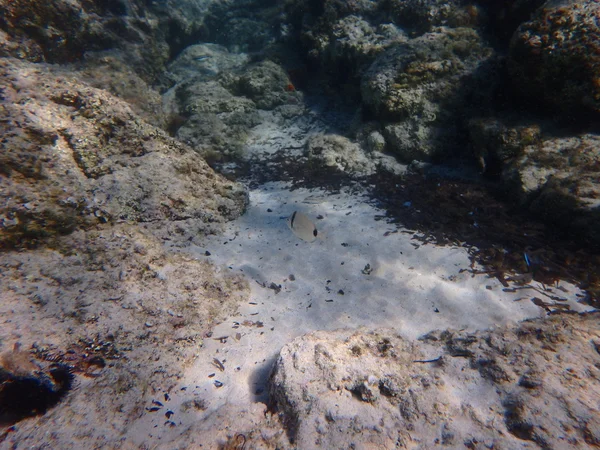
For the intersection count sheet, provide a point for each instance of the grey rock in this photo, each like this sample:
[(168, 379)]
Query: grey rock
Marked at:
[(220, 99), (267, 84), (375, 141), (558, 181), (93, 162), (339, 152), (359, 389), (496, 144), (204, 62), (417, 87), (420, 16)]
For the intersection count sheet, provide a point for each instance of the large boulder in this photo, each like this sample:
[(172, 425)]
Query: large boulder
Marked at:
[(421, 16), (558, 180), (219, 96), (416, 89), (533, 384), (555, 58), (73, 156), (60, 31)]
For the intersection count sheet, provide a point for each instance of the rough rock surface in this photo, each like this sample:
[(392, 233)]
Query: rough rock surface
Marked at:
[(496, 144), (219, 97), (555, 58), (416, 88), (113, 72), (124, 313), (338, 152), (558, 180), (61, 31), (342, 36), (421, 16), (74, 156), (532, 386)]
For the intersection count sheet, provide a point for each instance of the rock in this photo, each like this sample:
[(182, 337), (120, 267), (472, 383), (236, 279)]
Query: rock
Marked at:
[(340, 39), (56, 31), (353, 42), (74, 156), (220, 99), (61, 31), (555, 58), (343, 38), (267, 84), (204, 62), (102, 287), (416, 89), (421, 16), (496, 144), (338, 152), (217, 120), (376, 141), (358, 389), (112, 71), (558, 180), (243, 25)]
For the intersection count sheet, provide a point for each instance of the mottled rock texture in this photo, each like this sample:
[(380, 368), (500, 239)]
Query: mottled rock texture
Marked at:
[(126, 314), (219, 97), (338, 152), (555, 58), (535, 385), (558, 180), (74, 156), (60, 31), (416, 89)]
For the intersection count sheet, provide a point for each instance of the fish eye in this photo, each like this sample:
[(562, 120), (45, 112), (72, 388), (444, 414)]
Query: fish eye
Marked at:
[(315, 232)]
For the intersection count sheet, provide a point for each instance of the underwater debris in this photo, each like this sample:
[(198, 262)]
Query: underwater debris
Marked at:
[(237, 442), (218, 364)]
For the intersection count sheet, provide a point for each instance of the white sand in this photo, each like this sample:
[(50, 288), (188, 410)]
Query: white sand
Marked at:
[(413, 288)]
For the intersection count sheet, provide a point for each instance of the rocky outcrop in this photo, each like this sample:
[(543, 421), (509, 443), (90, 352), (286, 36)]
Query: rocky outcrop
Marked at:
[(346, 35), (558, 181), (555, 58), (415, 90), (122, 313), (74, 156), (533, 384), (338, 153), (496, 144), (60, 31), (219, 97)]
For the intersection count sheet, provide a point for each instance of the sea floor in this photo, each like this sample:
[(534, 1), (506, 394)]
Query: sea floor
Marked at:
[(360, 272)]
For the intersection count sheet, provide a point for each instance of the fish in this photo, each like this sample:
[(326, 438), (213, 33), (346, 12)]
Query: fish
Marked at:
[(302, 226)]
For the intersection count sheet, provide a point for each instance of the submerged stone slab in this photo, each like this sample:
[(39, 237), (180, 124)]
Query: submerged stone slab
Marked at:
[(533, 385)]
